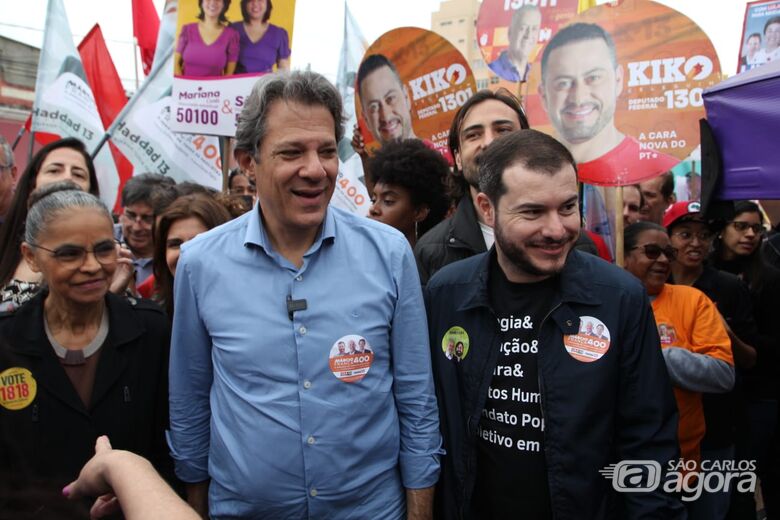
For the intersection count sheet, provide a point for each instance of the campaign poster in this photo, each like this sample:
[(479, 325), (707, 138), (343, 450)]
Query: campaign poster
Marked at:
[(143, 133), (409, 85), (220, 49), (511, 33), (760, 35), (621, 86)]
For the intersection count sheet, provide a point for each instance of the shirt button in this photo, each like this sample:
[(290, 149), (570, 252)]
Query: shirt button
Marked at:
[(568, 323), (307, 384), (302, 330), (298, 278), (310, 440), (313, 492)]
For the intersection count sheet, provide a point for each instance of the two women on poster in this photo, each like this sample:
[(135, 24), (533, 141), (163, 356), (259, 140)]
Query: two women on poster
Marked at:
[(213, 46)]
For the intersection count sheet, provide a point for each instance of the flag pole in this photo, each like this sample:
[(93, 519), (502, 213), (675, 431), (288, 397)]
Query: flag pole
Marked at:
[(135, 60), (30, 147), (19, 135)]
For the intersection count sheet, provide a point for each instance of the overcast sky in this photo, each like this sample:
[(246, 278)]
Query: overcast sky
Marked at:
[(319, 26)]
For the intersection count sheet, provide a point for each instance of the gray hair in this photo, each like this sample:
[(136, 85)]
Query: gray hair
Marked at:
[(141, 188), (47, 202), (308, 88), (8, 153)]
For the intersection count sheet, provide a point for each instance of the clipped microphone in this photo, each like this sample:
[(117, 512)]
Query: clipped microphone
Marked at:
[(295, 305)]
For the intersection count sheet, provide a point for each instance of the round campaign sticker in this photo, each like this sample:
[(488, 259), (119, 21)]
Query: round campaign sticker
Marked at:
[(455, 343), (17, 388), (591, 342), (511, 33), (621, 86), (409, 85), (350, 358)]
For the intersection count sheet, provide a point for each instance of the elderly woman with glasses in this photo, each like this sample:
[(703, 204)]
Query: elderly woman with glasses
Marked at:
[(695, 344), (79, 361), (62, 160)]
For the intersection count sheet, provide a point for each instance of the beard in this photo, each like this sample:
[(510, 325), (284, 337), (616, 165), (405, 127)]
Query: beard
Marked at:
[(580, 132), (517, 253)]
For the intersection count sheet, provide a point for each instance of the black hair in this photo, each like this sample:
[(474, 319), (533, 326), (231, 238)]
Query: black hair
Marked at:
[(235, 172), (222, 17), (632, 232), (754, 35), (773, 20), (372, 63), (667, 187), (266, 16), (410, 164), (457, 186), (12, 230), (577, 32), (753, 266), (532, 149)]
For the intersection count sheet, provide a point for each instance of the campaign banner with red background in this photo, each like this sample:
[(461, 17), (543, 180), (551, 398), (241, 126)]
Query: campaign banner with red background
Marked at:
[(436, 78), (495, 17), (666, 61)]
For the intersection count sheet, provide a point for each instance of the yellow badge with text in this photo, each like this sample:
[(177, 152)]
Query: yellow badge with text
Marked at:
[(17, 388), (455, 343)]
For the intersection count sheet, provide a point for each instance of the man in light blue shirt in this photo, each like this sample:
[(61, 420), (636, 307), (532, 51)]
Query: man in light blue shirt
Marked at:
[(263, 403)]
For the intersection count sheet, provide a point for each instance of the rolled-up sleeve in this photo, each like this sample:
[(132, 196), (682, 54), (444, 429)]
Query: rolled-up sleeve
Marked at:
[(413, 381), (190, 381)]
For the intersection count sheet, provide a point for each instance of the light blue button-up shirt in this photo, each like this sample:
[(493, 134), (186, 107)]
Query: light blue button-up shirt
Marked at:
[(259, 402)]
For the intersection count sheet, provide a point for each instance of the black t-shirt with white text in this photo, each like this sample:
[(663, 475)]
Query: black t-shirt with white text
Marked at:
[(511, 480)]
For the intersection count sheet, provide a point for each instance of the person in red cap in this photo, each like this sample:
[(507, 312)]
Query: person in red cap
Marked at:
[(692, 237)]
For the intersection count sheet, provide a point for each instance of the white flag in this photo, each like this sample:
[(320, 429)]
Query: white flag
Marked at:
[(351, 193), (64, 103), (142, 131), (352, 50), (167, 30)]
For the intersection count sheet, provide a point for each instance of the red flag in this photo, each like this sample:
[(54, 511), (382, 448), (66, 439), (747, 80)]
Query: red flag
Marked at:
[(146, 25), (107, 88)]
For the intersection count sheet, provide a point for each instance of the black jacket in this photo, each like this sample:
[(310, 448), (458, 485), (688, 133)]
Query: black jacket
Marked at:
[(51, 438), (450, 240), (620, 407)]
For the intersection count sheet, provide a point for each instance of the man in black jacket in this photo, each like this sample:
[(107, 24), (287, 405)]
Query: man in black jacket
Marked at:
[(484, 117), (536, 410)]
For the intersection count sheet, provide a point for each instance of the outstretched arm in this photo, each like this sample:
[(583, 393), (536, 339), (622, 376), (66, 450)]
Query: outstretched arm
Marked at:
[(126, 481)]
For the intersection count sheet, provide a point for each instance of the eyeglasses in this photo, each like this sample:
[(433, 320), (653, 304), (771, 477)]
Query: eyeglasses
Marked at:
[(73, 257), (135, 217), (653, 251), (686, 236), (740, 226)]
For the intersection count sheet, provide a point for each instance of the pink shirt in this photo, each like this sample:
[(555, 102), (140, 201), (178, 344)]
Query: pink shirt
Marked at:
[(199, 59)]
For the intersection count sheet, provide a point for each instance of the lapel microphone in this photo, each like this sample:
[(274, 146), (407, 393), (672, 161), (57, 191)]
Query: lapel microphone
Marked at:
[(295, 305)]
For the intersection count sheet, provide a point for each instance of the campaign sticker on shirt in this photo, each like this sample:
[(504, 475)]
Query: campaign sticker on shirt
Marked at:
[(350, 358), (17, 388), (590, 343), (455, 343), (667, 334)]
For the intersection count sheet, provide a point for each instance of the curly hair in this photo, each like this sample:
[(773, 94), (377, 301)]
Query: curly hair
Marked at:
[(420, 170)]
